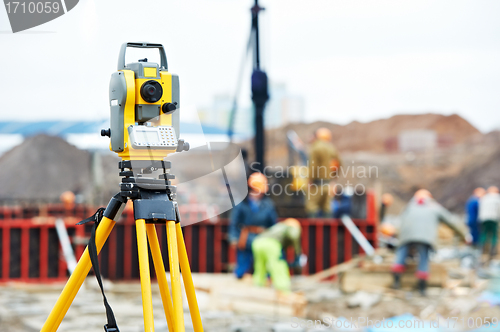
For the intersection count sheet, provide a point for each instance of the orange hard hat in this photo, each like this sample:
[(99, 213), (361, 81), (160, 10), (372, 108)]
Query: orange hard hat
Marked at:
[(258, 182), (129, 206), (292, 222), (67, 197), (493, 189), (479, 192), (387, 229), (387, 199), (334, 165), (324, 134)]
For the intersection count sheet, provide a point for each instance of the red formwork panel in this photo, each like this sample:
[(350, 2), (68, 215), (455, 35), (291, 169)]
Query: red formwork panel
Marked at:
[(326, 242)]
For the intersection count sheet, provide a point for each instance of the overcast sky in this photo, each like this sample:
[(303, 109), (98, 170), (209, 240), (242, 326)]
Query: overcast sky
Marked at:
[(350, 60)]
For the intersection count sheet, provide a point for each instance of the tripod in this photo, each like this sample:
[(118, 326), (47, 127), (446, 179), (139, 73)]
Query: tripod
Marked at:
[(153, 201)]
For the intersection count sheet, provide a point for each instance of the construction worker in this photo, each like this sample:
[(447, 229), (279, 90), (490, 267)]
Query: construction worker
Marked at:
[(68, 200), (418, 230), (268, 248), (341, 202), (387, 236), (324, 164), (251, 217), (387, 200), (472, 210), (489, 216)]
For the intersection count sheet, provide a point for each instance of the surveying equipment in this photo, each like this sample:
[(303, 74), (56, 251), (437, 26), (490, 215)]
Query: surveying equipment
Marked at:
[(144, 101), (144, 98)]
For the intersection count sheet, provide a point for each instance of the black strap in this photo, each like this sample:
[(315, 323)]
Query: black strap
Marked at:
[(96, 218)]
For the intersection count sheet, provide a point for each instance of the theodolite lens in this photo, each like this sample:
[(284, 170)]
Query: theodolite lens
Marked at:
[(151, 91)]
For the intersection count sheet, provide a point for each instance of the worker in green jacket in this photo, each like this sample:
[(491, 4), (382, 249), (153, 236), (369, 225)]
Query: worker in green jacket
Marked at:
[(268, 250)]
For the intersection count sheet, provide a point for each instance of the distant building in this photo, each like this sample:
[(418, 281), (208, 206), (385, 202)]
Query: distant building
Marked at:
[(281, 109), (293, 109), (417, 140), (217, 115)]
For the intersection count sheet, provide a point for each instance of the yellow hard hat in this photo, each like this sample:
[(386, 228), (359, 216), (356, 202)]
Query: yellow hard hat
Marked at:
[(324, 134), (258, 182)]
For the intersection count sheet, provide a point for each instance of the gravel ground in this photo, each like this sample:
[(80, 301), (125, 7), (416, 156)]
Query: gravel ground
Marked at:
[(24, 308)]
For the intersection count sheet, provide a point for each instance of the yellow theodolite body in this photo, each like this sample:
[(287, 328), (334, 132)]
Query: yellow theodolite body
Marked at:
[(144, 106)]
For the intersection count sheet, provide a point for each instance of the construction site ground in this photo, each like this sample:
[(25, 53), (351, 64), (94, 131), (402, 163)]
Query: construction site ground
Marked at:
[(227, 304), (24, 308)]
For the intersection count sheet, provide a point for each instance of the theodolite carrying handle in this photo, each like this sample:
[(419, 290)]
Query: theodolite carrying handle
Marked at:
[(123, 49)]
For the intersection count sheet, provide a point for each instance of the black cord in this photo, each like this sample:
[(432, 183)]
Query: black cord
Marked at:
[(232, 114)]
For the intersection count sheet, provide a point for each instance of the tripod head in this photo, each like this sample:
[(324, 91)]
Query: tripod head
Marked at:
[(144, 108)]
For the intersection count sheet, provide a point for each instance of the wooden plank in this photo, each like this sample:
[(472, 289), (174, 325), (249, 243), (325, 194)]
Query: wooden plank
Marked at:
[(359, 279), (261, 308), (227, 293), (259, 300), (334, 270)]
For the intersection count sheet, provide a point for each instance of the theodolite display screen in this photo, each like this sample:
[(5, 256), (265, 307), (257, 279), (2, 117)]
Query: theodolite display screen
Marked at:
[(162, 137), (148, 136)]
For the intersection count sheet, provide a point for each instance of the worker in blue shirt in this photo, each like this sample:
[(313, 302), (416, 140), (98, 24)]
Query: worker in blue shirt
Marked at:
[(472, 210), (248, 219)]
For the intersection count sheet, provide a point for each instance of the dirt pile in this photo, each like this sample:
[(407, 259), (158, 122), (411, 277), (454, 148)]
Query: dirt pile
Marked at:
[(43, 167), (451, 173), (452, 192), (370, 136)]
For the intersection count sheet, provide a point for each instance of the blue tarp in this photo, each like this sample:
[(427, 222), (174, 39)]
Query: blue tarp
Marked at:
[(62, 128)]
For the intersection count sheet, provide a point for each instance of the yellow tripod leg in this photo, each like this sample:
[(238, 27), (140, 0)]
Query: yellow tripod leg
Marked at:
[(160, 274), (175, 280), (188, 281), (147, 300), (77, 278)]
